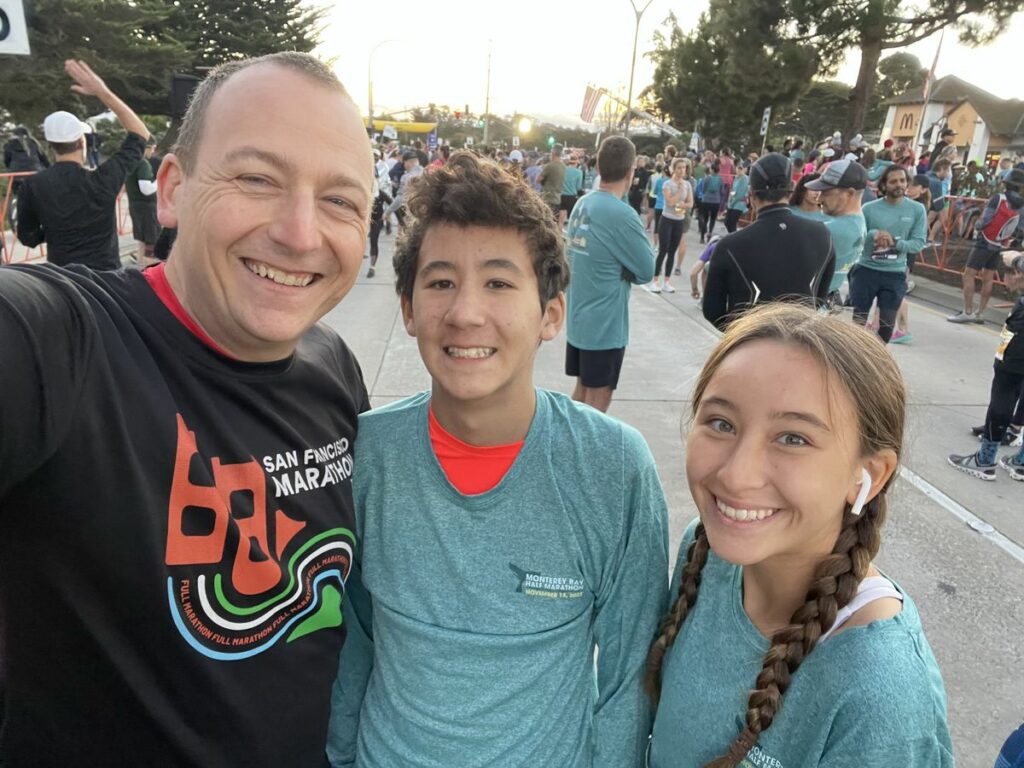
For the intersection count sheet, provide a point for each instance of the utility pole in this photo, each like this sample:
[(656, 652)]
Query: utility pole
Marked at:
[(487, 96), (632, 64)]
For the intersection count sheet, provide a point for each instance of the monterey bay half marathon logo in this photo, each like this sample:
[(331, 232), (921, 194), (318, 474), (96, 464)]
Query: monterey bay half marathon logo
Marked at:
[(539, 585)]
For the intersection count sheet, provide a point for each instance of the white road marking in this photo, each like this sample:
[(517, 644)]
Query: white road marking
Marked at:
[(959, 511)]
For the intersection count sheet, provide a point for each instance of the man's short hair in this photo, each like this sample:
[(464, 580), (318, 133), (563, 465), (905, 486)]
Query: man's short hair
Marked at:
[(64, 147), (470, 191), (941, 164), (891, 169), (615, 158), (186, 148)]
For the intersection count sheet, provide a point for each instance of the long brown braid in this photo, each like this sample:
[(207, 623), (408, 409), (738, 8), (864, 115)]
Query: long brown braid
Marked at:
[(872, 379)]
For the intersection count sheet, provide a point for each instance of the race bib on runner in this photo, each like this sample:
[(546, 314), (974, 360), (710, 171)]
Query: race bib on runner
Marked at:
[(1005, 337)]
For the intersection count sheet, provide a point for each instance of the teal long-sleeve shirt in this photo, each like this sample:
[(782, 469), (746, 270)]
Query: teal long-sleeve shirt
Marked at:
[(478, 649), (608, 252), (906, 221), (871, 695), (738, 195)]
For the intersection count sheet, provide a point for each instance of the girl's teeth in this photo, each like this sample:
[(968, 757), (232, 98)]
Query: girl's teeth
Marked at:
[(743, 515)]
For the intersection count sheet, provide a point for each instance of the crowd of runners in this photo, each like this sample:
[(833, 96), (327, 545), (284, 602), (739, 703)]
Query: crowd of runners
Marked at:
[(203, 511)]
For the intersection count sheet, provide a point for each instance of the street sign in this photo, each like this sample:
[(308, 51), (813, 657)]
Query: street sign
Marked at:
[(432, 140), (515, 141), (13, 32), (764, 120), (469, 141)]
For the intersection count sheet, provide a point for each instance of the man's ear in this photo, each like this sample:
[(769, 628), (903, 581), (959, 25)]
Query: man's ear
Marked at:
[(169, 180), (407, 318)]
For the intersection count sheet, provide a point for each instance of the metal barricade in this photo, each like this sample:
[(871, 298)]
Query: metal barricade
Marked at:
[(956, 230)]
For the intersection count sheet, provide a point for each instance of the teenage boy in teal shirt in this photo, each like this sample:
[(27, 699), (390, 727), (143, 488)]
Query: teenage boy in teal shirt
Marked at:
[(506, 532)]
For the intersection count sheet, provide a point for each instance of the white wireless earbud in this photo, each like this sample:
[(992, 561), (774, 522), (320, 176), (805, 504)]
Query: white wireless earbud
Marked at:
[(862, 495)]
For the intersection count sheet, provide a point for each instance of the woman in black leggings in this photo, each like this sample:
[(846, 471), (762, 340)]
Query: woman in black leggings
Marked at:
[(678, 201)]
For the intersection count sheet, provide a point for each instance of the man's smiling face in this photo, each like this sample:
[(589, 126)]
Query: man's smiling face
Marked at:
[(273, 216)]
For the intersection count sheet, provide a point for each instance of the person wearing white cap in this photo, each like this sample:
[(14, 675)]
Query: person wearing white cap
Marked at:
[(68, 207)]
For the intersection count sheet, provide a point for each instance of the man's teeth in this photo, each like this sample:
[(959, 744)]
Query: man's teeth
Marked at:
[(743, 515), (279, 277), (469, 352)]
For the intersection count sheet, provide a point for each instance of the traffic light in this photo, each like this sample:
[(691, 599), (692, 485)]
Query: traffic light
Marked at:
[(551, 141), (458, 115), (479, 123)]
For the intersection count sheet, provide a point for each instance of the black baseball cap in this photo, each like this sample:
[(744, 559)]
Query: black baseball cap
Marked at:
[(771, 172), (947, 132), (842, 174)]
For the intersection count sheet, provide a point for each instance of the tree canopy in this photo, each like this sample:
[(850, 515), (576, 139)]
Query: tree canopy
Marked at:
[(136, 45), (723, 75)]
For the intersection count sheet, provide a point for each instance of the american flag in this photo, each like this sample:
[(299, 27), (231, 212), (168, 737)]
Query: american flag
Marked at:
[(590, 102)]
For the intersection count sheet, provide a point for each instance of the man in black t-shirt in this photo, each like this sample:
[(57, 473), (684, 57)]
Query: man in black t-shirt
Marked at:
[(779, 256), (176, 449), (70, 208)]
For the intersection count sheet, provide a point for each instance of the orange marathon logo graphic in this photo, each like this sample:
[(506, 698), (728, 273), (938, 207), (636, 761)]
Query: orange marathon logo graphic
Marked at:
[(283, 600)]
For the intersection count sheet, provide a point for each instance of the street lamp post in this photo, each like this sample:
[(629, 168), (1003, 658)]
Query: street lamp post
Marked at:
[(632, 64), (487, 98), (369, 85)]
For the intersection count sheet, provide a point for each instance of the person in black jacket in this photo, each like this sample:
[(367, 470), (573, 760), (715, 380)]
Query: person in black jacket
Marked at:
[(1007, 386), (22, 154), (779, 256)]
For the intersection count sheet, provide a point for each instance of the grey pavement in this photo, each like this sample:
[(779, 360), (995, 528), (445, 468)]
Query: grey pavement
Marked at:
[(967, 584)]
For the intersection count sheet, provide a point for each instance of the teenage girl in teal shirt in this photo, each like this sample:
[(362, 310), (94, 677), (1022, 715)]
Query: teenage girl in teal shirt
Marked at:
[(784, 646)]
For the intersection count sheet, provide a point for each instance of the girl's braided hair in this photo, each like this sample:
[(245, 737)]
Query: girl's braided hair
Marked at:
[(873, 382)]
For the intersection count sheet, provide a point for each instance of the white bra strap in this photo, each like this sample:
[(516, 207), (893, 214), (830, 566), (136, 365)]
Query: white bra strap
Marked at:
[(870, 589)]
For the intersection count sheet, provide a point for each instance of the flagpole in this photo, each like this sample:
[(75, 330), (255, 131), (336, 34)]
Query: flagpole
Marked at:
[(927, 95)]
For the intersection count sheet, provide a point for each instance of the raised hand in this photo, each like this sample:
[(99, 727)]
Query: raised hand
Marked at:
[(87, 82)]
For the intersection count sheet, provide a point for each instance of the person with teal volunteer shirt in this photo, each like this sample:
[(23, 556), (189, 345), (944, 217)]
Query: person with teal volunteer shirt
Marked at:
[(737, 198), (609, 253), (652, 199), (572, 187), (785, 645), (804, 203), (897, 226), (659, 201), (710, 200), (507, 532), (590, 174), (839, 192)]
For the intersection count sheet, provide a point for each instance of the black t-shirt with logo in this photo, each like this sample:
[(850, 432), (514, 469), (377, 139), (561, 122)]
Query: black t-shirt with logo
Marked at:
[(177, 528), (74, 210)]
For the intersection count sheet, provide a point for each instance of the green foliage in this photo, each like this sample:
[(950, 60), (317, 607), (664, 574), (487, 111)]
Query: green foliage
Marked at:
[(110, 35), (817, 115), (723, 75), (874, 26), (136, 45)]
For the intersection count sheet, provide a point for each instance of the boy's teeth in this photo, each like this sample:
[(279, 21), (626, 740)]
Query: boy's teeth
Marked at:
[(469, 351), (743, 515), (278, 276)]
